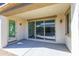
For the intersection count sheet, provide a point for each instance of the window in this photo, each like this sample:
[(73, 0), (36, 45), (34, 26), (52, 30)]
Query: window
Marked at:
[(12, 28), (67, 16), (49, 27)]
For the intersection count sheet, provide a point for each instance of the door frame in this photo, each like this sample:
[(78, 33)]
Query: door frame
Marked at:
[(11, 38), (51, 41)]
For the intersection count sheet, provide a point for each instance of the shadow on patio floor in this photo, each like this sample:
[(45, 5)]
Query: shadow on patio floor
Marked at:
[(37, 44)]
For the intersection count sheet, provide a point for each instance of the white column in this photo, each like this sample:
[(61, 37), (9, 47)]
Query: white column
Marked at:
[(3, 31), (74, 29)]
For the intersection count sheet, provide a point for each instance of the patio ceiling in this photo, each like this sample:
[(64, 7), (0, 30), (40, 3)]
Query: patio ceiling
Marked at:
[(33, 10), (50, 10), (16, 8)]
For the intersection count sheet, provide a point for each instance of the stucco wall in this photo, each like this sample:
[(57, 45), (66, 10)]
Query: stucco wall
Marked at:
[(26, 30), (68, 42), (60, 29)]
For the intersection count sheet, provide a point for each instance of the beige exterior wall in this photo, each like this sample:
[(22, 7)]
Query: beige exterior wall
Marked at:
[(60, 29)]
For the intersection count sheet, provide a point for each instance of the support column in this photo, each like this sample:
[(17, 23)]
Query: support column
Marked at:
[(3, 31), (74, 29)]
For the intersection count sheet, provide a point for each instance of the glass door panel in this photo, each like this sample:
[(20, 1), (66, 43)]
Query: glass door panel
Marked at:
[(12, 28), (40, 30), (31, 29), (50, 30)]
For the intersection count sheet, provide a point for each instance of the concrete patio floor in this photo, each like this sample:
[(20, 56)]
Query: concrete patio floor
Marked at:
[(36, 48)]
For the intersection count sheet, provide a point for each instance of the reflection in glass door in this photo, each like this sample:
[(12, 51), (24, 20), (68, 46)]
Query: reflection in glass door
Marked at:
[(40, 30), (31, 29), (50, 30)]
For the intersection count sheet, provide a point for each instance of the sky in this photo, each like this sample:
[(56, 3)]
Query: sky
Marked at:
[(1, 4)]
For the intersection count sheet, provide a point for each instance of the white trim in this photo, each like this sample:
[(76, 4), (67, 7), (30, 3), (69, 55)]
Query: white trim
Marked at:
[(35, 30), (44, 30)]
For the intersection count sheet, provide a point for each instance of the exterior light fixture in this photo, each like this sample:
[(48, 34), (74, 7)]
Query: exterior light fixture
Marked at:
[(61, 21), (20, 24)]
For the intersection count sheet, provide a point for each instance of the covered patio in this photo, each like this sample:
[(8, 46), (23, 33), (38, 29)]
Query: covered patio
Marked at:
[(36, 48), (27, 32)]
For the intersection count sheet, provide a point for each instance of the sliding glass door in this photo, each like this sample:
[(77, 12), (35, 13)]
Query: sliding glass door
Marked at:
[(31, 29), (44, 30), (39, 29)]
